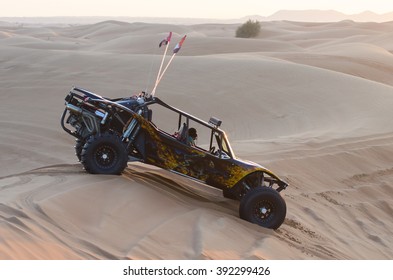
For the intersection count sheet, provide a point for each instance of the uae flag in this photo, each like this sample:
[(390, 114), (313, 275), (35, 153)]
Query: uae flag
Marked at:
[(178, 45)]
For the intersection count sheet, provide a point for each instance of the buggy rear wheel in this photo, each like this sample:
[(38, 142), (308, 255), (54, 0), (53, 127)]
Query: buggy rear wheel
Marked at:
[(263, 206), (78, 148), (104, 154)]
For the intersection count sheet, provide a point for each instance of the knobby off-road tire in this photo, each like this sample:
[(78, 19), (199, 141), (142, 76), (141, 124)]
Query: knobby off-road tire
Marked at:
[(104, 154), (78, 148), (263, 206)]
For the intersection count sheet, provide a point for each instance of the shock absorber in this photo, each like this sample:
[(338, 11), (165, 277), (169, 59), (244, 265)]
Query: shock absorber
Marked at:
[(131, 126)]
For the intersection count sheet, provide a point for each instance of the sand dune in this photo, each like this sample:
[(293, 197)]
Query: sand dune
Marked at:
[(311, 101)]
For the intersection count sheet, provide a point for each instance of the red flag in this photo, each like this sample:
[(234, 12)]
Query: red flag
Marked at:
[(178, 45), (166, 40)]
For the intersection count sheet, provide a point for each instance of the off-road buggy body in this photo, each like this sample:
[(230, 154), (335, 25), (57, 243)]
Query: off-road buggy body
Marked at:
[(111, 132)]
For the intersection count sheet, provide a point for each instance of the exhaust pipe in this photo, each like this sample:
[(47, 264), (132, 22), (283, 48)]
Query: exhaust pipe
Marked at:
[(74, 109)]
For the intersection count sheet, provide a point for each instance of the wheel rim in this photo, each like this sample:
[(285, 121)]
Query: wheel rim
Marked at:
[(105, 157), (263, 211)]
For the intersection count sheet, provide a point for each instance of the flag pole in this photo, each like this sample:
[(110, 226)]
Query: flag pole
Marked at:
[(159, 77), (162, 62), (166, 42), (159, 72), (163, 72)]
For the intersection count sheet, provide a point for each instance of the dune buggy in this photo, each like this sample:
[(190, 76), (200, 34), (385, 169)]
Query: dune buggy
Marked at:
[(111, 132)]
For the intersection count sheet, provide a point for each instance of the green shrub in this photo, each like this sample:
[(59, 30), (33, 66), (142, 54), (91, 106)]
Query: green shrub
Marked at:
[(249, 29)]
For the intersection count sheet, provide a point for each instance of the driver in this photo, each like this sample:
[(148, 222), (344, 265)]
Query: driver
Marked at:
[(192, 136)]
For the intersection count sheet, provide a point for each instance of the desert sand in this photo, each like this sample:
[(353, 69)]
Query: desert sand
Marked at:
[(311, 101)]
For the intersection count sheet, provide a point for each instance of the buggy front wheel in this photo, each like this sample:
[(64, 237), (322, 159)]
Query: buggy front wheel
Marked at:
[(263, 206)]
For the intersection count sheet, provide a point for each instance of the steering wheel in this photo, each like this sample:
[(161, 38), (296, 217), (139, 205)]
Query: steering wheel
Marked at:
[(212, 150)]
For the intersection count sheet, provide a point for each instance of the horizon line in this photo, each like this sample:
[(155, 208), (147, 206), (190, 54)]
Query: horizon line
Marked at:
[(179, 17)]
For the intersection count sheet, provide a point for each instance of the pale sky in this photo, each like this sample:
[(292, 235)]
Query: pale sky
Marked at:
[(221, 9)]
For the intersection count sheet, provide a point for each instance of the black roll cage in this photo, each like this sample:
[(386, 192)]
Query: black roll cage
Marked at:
[(215, 130)]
